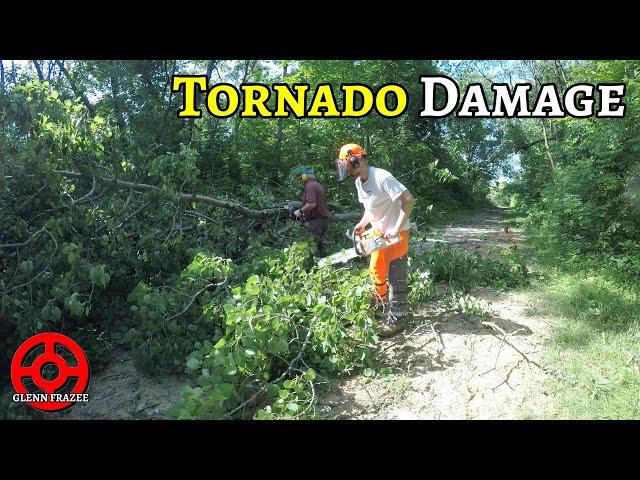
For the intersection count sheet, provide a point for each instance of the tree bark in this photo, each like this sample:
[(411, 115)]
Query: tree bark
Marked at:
[(38, 70), (546, 146), (280, 123), (49, 69)]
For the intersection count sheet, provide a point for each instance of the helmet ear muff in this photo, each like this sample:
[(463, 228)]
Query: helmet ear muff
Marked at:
[(354, 161), (304, 177)]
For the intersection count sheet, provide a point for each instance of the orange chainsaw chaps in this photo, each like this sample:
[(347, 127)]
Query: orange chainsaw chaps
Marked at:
[(380, 260)]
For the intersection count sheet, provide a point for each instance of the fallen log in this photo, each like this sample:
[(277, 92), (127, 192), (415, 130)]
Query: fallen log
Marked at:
[(282, 210)]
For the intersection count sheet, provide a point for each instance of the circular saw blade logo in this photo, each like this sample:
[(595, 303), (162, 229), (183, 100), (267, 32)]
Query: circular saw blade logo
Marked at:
[(52, 396)]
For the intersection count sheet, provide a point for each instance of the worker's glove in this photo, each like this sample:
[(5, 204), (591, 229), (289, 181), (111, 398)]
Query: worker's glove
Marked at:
[(297, 213)]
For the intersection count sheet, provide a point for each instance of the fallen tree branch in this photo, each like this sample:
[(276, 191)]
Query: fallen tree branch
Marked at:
[(32, 196), (22, 244), (193, 197), (527, 146), (194, 298), (193, 213), (284, 374), (85, 197), (506, 380), (9, 290), (126, 220), (504, 340)]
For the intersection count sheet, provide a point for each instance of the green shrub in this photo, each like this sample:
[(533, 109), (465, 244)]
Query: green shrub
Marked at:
[(276, 331), (467, 270), (169, 318)]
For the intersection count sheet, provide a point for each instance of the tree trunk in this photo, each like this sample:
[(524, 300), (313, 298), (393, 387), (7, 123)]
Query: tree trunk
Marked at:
[(49, 69), (38, 69), (546, 146), (115, 92), (75, 88), (158, 139), (280, 123)]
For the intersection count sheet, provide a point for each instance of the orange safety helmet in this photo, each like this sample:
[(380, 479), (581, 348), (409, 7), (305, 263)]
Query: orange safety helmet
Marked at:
[(349, 159), (351, 149)]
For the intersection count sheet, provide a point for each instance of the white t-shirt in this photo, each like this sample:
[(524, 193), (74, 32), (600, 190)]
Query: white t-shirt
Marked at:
[(380, 196)]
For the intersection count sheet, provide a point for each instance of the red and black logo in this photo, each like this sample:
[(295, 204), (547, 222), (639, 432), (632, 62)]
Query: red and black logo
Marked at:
[(50, 372)]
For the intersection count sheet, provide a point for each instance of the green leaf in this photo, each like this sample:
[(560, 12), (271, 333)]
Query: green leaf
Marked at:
[(216, 396), (93, 275), (174, 411), (130, 335), (137, 294), (193, 363), (293, 407), (309, 374), (283, 394), (74, 305), (278, 346), (26, 266)]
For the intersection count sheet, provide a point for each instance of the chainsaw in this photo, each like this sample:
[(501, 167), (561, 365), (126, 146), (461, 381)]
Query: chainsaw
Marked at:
[(364, 245)]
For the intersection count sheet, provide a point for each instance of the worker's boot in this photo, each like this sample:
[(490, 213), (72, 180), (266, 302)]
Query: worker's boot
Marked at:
[(395, 320), (391, 325)]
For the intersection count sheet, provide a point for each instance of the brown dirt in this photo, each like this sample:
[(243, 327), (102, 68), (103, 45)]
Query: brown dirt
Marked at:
[(121, 392), (447, 365)]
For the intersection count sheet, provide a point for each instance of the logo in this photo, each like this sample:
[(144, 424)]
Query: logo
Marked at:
[(34, 377)]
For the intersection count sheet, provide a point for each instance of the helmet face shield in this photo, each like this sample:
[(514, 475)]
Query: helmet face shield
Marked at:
[(341, 167)]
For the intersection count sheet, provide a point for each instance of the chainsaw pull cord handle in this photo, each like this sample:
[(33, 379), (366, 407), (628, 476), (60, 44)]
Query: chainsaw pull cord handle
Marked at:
[(356, 243)]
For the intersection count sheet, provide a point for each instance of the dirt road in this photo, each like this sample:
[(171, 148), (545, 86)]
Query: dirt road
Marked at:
[(450, 365)]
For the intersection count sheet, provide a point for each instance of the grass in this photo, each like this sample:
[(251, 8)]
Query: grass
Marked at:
[(594, 343), (513, 219)]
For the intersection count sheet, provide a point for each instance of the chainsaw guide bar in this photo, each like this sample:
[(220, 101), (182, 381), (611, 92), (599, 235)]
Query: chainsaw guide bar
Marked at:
[(363, 245)]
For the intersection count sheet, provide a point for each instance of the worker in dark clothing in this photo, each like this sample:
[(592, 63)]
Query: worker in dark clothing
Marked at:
[(314, 208)]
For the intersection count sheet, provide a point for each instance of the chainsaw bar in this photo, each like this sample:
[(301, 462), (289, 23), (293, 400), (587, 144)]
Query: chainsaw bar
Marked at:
[(340, 257), (363, 246)]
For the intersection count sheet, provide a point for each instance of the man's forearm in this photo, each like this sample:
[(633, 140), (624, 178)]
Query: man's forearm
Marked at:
[(308, 207), (364, 220), (405, 211)]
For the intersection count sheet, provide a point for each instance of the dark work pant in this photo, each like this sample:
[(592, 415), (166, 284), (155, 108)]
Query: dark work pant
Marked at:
[(398, 283), (318, 229)]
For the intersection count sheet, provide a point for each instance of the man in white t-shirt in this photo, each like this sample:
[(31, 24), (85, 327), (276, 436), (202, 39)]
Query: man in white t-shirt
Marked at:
[(387, 206)]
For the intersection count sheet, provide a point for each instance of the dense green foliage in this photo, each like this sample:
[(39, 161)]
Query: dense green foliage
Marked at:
[(579, 197), (466, 270), (581, 193), (119, 266), (230, 297), (274, 332)]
